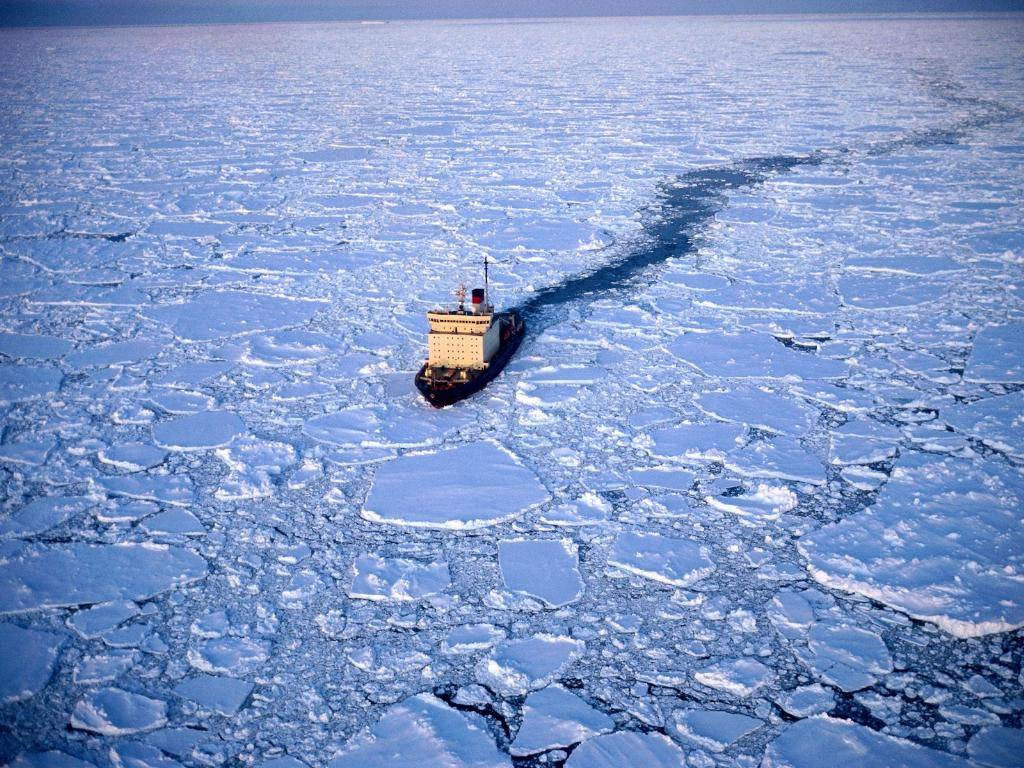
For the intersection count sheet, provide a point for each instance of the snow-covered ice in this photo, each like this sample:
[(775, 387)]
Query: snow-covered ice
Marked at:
[(471, 486), (73, 574), (27, 661), (939, 544), (652, 750), (515, 667), (823, 740), (116, 712), (712, 729), (377, 578), (421, 731), (555, 717), (679, 562), (739, 677), (547, 569), (757, 461)]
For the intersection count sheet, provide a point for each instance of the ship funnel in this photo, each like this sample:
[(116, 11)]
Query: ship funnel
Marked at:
[(478, 300)]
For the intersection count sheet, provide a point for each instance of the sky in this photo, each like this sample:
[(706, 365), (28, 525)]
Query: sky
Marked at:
[(106, 12)]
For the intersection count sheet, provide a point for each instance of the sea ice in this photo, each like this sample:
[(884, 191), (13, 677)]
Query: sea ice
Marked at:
[(996, 421), (759, 408), (713, 729), (26, 382), (751, 356), (132, 457), (554, 717), (22, 345), (26, 662), (168, 489), (51, 759), (846, 656), (940, 544), (997, 355), (216, 314), (41, 514), (821, 740), (470, 486), (783, 458), (73, 574), (766, 503), (516, 667), (92, 622), (740, 677), (224, 695), (117, 353), (469, 638), (378, 578), (104, 668), (678, 562), (547, 569), (422, 731), (806, 700), (997, 746), (198, 431), (114, 712), (622, 748), (229, 655), (706, 442), (174, 522)]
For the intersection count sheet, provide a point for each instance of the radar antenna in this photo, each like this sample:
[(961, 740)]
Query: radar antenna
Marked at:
[(460, 294), (487, 286)]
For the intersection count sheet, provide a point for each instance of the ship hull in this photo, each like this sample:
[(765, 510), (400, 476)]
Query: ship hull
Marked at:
[(440, 394)]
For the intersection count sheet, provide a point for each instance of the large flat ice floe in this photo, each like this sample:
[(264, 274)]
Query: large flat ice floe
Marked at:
[(198, 431), (820, 740), (75, 574), (515, 667), (622, 748), (115, 712), (26, 662), (554, 717), (678, 562), (217, 314), (547, 569), (751, 356), (997, 355), (471, 486), (422, 731), (378, 578), (942, 544)]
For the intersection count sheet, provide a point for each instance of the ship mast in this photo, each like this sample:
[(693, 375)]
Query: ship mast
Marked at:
[(487, 287)]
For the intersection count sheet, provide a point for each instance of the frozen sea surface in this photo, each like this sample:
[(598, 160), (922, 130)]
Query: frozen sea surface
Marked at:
[(749, 494)]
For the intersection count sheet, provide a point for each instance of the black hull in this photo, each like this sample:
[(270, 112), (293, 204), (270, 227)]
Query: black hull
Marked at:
[(439, 397)]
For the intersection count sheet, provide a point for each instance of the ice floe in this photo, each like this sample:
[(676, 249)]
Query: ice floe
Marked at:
[(848, 657), (997, 354), (821, 740), (422, 731), (678, 562), (516, 667), (470, 486), (42, 514), (998, 422), (73, 574), (115, 712), (27, 661), (751, 356), (223, 695), (613, 750), (712, 729), (739, 677), (555, 717), (378, 578), (547, 569), (940, 544), (198, 431)]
